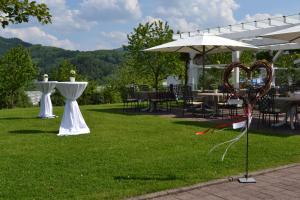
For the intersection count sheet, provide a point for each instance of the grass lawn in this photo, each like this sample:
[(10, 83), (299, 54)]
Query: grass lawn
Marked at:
[(124, 156)]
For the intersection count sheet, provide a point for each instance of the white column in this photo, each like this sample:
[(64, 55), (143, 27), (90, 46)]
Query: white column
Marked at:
[(193, 75), (236, 72)]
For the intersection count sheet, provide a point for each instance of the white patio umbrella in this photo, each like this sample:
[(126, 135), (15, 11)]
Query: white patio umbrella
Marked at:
[(291, 34), (202, 44)]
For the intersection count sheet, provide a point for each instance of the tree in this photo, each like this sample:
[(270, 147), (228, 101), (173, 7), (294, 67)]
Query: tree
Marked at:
[(286, 64), (62, 72), (18, 11), (16, 72), (152, 66)]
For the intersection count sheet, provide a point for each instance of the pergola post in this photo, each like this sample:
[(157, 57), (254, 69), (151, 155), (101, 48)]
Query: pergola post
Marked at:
[(236, 71), (193, 74)]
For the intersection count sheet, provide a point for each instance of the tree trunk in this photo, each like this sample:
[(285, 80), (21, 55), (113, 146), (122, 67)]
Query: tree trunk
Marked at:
[(156, 82), (186, 72), (11, 99)]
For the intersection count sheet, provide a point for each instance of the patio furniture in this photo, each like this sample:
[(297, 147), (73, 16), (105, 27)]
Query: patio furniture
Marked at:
[(157, 98), (46, 110), (130, 99), (230, 104), (267, 109), (72, 122), (190, 104), (210, 101)]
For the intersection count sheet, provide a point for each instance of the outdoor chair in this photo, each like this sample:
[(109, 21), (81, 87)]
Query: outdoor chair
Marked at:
[(143, 96), (267, 109), (171, 96), (130, 99), (229, 104), (189, 105)]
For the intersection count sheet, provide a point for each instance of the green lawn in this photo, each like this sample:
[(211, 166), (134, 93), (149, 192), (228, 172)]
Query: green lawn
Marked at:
[(124, 156)]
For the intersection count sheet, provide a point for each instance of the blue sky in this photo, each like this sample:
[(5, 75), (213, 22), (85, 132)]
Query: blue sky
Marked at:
[(103, 24)]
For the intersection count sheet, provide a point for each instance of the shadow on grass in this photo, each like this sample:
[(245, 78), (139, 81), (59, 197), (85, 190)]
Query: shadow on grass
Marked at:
[(17, 118), (277, 132), (23, 131), (284, 131), (206, 124), (147, 178), (120, 111)]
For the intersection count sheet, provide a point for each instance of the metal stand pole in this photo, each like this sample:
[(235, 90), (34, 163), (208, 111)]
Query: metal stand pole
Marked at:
[(246, 178)]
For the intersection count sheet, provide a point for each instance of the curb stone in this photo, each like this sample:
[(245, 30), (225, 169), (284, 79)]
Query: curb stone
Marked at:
[(209, 183)]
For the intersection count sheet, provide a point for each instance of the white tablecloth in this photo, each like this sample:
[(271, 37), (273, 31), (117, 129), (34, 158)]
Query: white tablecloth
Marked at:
[(72, 122), (45, 103)]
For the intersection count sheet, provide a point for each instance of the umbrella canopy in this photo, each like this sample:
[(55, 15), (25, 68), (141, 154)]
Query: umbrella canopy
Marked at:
[(291, 34), (202, 44)]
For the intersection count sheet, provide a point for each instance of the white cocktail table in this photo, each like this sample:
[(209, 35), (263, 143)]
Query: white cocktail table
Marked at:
[(46, 110), (72, 122)]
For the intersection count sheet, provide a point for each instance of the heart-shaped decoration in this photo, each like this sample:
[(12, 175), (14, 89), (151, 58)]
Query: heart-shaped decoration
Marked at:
[(254, 94)]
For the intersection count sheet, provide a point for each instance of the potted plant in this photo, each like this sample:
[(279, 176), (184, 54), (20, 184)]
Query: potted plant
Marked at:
[(72, 75), (45, 77)]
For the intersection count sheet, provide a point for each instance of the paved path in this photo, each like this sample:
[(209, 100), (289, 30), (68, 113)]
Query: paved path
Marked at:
[(281, 183)]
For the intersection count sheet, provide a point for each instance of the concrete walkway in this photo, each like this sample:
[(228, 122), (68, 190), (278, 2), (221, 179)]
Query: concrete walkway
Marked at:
[(279, 183)]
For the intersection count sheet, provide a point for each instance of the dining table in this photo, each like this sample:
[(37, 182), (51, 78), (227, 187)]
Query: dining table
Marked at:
[(210, 99), (289, 106), (72, 122), (46, 87), (154, 97)]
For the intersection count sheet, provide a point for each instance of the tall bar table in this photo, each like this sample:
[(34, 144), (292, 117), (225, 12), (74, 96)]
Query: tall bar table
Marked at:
[(72, 122), (46, 87)]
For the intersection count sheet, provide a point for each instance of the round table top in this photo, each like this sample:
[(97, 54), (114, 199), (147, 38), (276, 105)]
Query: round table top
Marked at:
[(72, 83), (209, 94), (46, 86), (71, 90), (46, 82)]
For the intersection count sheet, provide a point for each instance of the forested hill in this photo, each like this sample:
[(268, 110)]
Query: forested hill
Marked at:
[(96, 65)]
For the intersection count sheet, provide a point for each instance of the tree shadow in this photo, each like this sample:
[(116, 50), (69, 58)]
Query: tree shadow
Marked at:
[(24, 131), (170, 177), (17, 118), (283, 131), (120, 111), (206, 124)]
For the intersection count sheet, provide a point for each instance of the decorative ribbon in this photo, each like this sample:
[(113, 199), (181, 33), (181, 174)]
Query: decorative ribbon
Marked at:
[(239, 123)]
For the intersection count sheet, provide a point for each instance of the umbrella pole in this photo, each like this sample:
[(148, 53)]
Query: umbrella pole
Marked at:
[(203, 65), (186, 71)]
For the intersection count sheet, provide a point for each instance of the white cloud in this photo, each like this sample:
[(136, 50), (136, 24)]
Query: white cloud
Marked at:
[(37, 36), (111, 40), (181, 24), (65, 19), (110, 10), (190, 15), (151, 19), (117, 36)]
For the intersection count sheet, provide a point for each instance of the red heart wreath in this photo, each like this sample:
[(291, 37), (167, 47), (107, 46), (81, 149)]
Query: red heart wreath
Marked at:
[(258, 92)]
